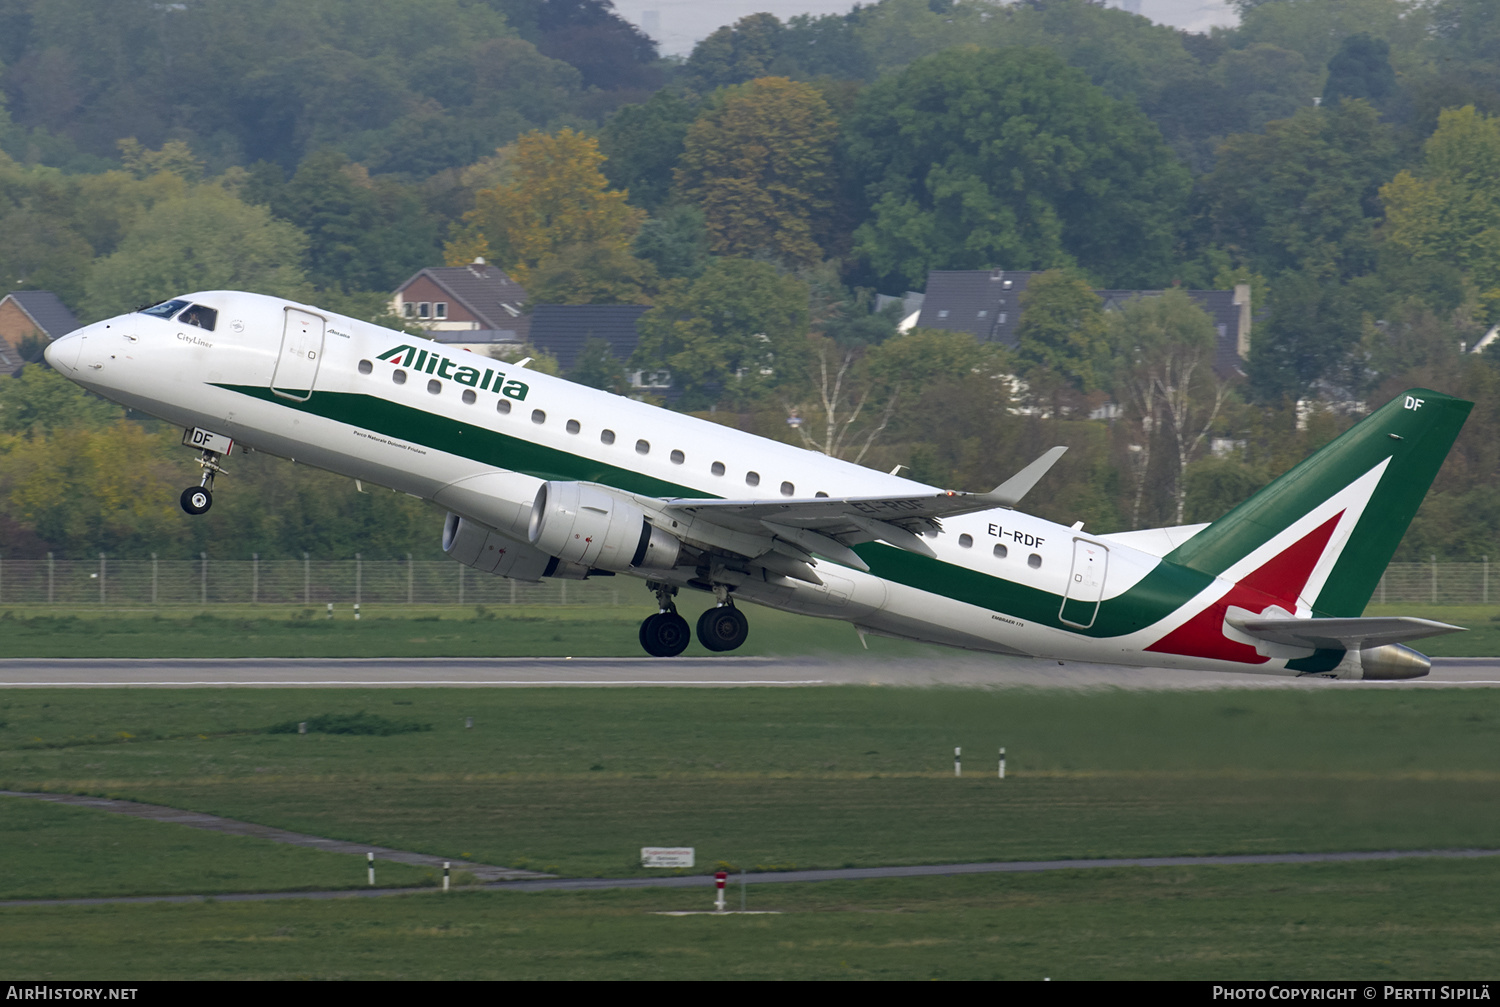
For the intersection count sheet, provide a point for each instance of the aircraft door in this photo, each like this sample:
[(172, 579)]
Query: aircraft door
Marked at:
[(1085, 584), (301, 351)]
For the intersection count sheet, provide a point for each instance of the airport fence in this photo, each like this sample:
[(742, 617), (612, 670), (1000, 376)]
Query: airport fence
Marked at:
[(128, 583), (207, 581)]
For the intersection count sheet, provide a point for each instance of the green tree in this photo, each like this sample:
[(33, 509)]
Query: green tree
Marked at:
[(1302, 196), (1361, 69), (557, 197), (591, 274), (735, 332), (759, 162), (972, 158), (39, 400), (1062, 331), (734, 55), (1449, 209), (205, 239), (641, 144), (597, 367), (675, 241)]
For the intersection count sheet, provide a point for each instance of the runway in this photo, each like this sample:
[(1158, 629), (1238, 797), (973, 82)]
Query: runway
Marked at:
[(961, 670)]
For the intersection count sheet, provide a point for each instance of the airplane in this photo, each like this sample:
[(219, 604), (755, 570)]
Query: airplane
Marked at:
[(542, 477)]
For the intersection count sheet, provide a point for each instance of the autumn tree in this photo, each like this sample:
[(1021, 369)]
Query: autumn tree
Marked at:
[(557, 197), (759, 162), (1448, 210)]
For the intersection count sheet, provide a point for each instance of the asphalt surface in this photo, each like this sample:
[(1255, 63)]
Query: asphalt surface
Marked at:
[(791, 877), (703, 672)]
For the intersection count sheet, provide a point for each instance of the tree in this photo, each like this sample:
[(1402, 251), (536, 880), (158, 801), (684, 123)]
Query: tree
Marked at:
[(204, 239), (597, 367), (1164, 351), (1449, 209), (735, 332), (972, 159), (1361, 69), (1062, 331), (641, 144), (759, 162), (1302, 196), (591, 274), (39, 400), (675, 241), (734, 55), (557, 197)]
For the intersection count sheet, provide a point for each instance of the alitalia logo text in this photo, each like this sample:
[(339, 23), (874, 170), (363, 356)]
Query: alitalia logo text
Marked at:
[(424, 362)]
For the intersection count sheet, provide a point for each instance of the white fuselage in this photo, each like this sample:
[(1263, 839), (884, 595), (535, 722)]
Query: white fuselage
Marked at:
[(422, 437)]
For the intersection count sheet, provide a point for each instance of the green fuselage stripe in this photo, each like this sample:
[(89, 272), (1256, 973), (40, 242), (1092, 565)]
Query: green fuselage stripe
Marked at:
[(1158, 594)]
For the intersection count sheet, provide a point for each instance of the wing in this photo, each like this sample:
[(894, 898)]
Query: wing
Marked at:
[(827, 526), (1346, 634)]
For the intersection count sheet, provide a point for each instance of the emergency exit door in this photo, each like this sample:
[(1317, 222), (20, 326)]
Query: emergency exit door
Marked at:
[(301, 352), (1085, 584)]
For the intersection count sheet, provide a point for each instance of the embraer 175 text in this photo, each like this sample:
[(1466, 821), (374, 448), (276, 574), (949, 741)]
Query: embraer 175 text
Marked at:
[(545, 478)]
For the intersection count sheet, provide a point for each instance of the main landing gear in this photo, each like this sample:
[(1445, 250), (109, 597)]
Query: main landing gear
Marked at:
[(721, 628), (198, 499)]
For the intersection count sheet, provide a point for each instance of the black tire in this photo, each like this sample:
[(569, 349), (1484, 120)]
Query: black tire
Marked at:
[(196, 500), (665, 634), (723, 628)]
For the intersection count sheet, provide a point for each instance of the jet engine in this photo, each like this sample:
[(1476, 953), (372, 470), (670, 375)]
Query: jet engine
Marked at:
[(586, 524), (485, 549)]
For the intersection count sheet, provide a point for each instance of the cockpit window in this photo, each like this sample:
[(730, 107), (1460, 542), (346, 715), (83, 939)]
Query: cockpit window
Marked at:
[(166, 309), (200, 316)]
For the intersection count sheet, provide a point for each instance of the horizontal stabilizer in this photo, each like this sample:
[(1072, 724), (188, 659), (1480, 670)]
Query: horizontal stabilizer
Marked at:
[(1345, 634)]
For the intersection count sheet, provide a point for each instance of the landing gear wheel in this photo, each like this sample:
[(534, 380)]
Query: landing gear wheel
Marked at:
[(722, 628), (196, 500), (665, 634)]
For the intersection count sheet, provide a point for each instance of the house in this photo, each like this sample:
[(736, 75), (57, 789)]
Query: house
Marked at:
[(30, 314), (987, 304), (563, 329), (475, 306)]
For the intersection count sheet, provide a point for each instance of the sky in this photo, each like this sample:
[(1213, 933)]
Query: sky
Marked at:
[(679, 24)]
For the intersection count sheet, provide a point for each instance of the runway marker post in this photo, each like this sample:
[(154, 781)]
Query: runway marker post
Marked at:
[(958, 769), (302, 727), (371, 862), (446, 865), (1002, 762), (468, 723), (719, 878), (330, 610)]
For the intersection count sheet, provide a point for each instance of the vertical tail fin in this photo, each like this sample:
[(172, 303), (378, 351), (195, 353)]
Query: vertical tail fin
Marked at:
[(1352, 501)]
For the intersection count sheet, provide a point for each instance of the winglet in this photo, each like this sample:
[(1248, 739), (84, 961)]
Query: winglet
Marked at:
[(1010, 492)]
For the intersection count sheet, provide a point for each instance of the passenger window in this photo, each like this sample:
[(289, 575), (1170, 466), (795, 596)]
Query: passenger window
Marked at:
[(607, 436), (469, 397), (204, 318), (434, 387), (166, 309), (966, 540), (1034, 561), (502, 407), (538, 417), (787, 490), (752, 478), (365, 367), (1001, 552), (574, 426), (820, 493), (398, 376), (643, 447), (678, 457), (717, 468)]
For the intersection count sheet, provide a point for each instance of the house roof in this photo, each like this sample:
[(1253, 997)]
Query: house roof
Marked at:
[(987, 304), (562, 329), (490, 295), (45, 310)]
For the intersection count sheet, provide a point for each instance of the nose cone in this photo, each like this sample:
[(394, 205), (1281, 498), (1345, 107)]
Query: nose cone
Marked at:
[(62, 353)]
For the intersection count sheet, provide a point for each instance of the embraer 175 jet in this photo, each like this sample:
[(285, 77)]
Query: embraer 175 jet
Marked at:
[(545, 478)]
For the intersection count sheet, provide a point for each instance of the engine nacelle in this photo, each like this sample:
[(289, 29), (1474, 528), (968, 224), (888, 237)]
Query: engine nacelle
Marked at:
[(586, 524), (485, 549)]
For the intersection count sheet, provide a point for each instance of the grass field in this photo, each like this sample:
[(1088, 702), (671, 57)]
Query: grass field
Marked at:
[(1378, 921), (536, 631), (577, 781)]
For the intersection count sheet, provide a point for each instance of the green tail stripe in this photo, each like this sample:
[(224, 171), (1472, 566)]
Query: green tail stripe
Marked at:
[(1416, 439)]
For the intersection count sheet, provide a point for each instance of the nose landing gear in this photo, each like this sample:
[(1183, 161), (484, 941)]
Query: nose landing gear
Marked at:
[(198, 499)]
